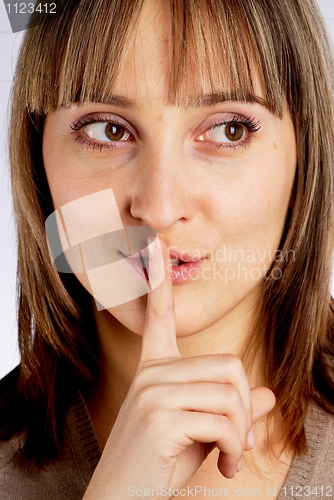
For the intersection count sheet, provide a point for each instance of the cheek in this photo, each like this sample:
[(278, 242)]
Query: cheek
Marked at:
[(68, 179), (250, 207), (57, 167)]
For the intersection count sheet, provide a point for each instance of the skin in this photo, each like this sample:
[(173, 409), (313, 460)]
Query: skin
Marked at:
[(170, 174)]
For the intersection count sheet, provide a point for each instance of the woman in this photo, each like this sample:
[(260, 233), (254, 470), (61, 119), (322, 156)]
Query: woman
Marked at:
[(210, 124)]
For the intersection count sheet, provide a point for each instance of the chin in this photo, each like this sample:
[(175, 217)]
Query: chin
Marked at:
[(132, 316)]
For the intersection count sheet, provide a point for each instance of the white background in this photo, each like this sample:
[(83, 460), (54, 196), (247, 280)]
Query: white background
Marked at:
[(9, 45)]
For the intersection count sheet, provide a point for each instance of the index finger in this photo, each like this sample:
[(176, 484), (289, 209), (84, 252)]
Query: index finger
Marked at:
[(159, 336)]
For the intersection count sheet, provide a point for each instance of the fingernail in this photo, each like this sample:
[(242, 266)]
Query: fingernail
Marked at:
[(151, 247), (251, 438), (241, 461)]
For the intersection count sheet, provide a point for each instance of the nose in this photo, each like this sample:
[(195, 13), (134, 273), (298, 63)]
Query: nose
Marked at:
[(163, 193)]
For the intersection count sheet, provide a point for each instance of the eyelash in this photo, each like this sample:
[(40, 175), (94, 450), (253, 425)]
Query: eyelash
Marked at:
[(250, 124), (83, 122)]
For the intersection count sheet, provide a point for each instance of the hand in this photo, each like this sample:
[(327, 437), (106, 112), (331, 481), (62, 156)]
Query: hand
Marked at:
[(177, 409)]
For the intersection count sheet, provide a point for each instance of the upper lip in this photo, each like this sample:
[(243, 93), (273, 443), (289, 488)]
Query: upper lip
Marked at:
[(184, 255), (174, 253)]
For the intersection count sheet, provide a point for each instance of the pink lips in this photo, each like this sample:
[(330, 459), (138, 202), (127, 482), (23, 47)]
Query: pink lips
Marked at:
[(189, 267), (185, 271)]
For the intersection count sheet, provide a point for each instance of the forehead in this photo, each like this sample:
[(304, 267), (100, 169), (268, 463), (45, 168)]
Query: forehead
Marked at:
[(148, 62), (180, 48)]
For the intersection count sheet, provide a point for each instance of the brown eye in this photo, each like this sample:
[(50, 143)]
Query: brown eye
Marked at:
[(107, 132), (234, 131), (115, 132), (229, 132)]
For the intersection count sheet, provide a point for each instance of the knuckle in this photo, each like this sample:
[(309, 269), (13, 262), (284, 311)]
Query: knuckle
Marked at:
[(234, 362), (147, 397), (230, 362), (222, 424), (231, 395), (145, 375), (221, 358)]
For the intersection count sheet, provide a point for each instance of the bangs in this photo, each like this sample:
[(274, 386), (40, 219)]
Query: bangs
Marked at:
[(217, 48), (224, 48)]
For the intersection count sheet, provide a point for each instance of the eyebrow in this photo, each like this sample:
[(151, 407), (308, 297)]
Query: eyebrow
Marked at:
[(121, 101), (221, 97), (112, 100), (201, 101)]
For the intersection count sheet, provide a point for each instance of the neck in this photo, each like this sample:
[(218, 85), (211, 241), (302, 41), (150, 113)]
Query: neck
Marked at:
[(120, 351)]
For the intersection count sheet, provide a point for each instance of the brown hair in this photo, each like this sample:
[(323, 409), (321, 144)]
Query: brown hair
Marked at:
[(215, 44)]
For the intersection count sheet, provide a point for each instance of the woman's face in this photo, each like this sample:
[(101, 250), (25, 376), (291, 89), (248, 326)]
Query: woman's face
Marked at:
[(213, 179)]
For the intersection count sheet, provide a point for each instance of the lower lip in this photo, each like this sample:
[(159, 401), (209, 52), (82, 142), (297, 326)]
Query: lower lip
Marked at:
[(180, 273), (186, 271)]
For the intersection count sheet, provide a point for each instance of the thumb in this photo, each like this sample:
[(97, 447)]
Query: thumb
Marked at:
[(263, 401)]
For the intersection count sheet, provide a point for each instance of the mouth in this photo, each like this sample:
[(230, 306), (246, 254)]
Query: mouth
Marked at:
[(182, 270), (184, 266)]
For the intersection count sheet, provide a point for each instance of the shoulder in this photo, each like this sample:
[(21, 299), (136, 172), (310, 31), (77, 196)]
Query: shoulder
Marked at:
[(313, 471), (8, 476), (319, 428), (61, 480), (64, 479)]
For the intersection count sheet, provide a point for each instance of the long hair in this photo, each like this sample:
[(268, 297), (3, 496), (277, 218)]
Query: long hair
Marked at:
[(214, 45)]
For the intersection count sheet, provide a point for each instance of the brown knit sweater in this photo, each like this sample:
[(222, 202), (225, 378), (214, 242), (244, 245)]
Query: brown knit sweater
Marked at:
[(69, 478)]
